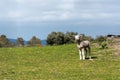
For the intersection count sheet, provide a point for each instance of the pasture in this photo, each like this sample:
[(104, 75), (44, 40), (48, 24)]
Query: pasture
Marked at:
[(58, 63)]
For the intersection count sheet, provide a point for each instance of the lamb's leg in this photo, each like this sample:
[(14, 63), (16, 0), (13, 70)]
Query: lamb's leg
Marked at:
[(89, 51), (86, 52), (80, 54), (83, 53)]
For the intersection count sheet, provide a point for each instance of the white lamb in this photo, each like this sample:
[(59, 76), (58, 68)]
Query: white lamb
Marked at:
[(83, 46)]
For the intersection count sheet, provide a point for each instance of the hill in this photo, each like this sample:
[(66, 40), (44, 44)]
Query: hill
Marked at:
[(57, 63), (14, 41), (43, 42)]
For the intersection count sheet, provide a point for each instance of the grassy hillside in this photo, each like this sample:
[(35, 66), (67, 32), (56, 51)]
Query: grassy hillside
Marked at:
[(57, 63)]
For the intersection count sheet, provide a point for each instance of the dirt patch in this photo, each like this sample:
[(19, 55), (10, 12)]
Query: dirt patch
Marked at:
[(116, 49)]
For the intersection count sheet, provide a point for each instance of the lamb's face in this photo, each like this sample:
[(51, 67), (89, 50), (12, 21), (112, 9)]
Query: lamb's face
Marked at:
[(77, 37)]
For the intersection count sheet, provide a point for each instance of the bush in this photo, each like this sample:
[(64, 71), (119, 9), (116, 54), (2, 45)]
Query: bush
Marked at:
[(69, 37), (34, 41), (55, 38), (59, 38), (100, 39), (103, 45)]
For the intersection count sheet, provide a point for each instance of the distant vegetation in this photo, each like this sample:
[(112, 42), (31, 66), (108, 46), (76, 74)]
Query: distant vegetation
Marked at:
[(54, 38), (19, 42), (59, 38), (4, 42)]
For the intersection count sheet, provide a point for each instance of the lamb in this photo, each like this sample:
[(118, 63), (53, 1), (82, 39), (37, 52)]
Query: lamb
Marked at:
[(83, 47)]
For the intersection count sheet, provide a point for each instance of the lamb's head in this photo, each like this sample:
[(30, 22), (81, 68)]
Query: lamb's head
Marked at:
[(78, 37)]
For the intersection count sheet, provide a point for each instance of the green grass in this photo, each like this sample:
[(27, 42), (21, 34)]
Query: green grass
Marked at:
[(57, 63)]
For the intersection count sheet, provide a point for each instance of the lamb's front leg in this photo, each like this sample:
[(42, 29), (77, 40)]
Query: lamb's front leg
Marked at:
[(80, 54), (83, 53)]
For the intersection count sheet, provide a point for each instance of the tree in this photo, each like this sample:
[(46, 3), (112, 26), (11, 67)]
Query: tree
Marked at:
[(4, 42), (69, 37), (34, 41), (55, 38), (100, 38), (102, 41), (59, 38), (84, 37), (20, 41)]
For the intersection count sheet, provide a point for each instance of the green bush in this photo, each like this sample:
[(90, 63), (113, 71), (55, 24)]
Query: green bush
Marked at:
[(103, 45), (59, 38)]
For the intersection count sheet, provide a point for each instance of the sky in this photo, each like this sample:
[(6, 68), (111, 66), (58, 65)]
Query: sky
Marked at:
[(27, 18)]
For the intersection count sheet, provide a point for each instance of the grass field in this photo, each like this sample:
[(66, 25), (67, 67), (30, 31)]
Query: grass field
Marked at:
[(57, 63)]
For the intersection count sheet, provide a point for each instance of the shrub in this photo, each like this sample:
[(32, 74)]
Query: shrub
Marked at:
[(103, 45), (34, 41), (59, 38), (55, 38)]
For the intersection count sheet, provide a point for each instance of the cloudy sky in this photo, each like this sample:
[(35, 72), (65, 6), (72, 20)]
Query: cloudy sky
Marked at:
[(27, 18)]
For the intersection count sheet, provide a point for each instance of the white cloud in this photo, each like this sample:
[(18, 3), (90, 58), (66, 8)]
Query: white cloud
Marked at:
[(14, 14), (67, 5), (66, 15), (52, 10)]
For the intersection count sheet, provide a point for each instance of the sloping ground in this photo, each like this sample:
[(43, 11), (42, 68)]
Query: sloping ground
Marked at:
[(115, 47), (58, 63)]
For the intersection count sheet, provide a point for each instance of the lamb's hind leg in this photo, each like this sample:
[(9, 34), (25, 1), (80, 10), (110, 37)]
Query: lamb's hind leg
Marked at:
[(89, 52), (86, 52)]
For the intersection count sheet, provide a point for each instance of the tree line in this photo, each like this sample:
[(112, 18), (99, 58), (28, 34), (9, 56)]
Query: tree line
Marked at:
[(20, 42), (54, 38)]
